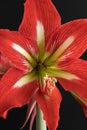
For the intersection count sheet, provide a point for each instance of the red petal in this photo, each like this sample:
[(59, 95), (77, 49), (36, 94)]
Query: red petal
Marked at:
[(16, 37), (50, 107), (78, 68), (82, 102), (11, 96), (71, 38), (42, 11), (7, 40)]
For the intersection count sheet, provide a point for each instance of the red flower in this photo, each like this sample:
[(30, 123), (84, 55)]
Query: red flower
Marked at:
[(41, 52)]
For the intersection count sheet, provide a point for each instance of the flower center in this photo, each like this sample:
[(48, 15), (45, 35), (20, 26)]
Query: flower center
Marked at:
[(46, 83), (39, 65)]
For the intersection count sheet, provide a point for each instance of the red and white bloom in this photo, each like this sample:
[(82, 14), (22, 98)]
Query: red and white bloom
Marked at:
[(41, 53)]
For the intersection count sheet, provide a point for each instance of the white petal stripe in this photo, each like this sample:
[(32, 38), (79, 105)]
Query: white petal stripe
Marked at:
[(22, 51), (67, 75), (40, 36), (62, 74), (62, 48), (24, 80)]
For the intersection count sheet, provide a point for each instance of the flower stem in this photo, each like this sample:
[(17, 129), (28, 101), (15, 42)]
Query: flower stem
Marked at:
[(40, 122)]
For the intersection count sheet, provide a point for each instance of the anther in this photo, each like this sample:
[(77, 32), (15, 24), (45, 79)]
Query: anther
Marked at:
[(49, 85)]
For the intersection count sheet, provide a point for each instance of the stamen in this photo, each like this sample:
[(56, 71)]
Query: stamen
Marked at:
[(49, 85)]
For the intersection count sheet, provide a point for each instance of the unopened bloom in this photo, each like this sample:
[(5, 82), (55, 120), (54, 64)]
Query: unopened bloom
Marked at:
[(41, 53)]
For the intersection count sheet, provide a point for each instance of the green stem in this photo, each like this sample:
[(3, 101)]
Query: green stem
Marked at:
[(40, 123)]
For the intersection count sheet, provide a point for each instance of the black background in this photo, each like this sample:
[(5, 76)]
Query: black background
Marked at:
[(72, 117)]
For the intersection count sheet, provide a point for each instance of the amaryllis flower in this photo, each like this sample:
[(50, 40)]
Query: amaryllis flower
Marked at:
[(41, 53)]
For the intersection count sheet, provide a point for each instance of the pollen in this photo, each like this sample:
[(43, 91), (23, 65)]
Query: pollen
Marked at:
[(51, 88)]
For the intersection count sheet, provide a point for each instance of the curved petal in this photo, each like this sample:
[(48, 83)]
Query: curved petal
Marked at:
[(69, 41), (12, 46), (16, 37), (12, 95), (41, 11), (82, 102), (79, 69), (50, 107)]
